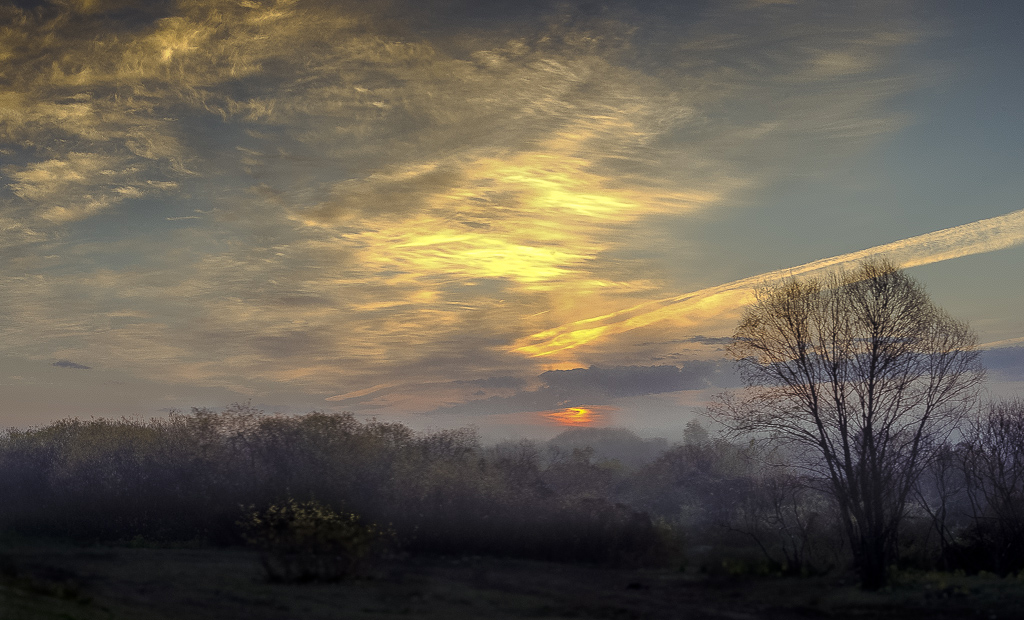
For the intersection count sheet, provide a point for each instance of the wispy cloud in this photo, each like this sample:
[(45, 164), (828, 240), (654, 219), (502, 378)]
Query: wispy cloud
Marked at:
[(597, 386), (380, 198), (1006, 362), (716, 303), (75, 186)]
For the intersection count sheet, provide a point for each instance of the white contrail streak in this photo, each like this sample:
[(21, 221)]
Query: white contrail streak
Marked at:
[(988, 235)]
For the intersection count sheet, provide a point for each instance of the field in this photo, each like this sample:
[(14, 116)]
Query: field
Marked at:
[(52, 581)]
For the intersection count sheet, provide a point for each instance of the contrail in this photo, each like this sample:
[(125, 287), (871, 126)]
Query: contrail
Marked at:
[(988, 235)]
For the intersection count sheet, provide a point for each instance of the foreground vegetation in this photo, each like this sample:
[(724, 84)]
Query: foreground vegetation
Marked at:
[(116, 583)]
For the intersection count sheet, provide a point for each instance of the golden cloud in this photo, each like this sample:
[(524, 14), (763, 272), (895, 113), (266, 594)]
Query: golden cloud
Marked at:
[(422, 202)]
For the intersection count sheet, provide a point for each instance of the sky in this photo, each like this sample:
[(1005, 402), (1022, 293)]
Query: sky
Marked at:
[(513, 215)]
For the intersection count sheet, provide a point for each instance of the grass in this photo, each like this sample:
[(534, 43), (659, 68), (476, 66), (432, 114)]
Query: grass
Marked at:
[(54, 581)]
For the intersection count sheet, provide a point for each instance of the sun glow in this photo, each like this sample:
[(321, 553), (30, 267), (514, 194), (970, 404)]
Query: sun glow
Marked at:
[(576, 416)]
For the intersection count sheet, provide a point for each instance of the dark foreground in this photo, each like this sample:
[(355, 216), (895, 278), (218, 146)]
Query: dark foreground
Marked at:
[(51, 581)]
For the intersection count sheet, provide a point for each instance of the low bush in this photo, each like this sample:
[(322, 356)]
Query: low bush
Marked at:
[(307, 541)]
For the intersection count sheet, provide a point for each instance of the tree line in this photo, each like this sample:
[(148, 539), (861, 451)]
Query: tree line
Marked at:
[(719, 505), (187, 477)]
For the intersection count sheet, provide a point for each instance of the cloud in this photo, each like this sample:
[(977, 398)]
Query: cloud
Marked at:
[(709, 340), (724, 301), (495, 382), (75, 186), (1006, 363), (70, 364), (392, 191), (622, 381), (595, 386)]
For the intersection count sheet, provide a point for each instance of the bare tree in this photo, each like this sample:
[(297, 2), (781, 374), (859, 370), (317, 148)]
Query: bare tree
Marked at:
[(941, 492), (786, 515), (993, 464), (864, 376)]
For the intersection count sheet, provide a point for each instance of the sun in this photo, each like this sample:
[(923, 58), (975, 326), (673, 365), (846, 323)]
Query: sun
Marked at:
[(575, 416)]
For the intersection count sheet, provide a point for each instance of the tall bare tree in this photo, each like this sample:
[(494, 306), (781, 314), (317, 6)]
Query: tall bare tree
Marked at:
[(865, 376)]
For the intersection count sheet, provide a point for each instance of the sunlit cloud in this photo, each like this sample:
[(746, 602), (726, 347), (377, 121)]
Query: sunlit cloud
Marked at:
[(721, 304), (324, 198), (534, 221), (578, 416), (74, 187)]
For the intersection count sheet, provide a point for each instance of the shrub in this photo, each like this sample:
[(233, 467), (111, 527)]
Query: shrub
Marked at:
[(308, 541)]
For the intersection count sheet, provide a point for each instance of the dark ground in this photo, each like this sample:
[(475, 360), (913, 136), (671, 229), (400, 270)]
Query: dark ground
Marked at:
[(49, 581)]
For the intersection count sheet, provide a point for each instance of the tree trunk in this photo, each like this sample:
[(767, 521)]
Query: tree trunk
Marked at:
[(872, 564)]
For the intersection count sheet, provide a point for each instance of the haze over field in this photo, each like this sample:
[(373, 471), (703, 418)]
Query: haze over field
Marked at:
[(519, 215)]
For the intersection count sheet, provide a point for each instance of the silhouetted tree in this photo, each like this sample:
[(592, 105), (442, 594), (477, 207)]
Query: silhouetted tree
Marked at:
[(941, 496), (993, 464), (864, 375)]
